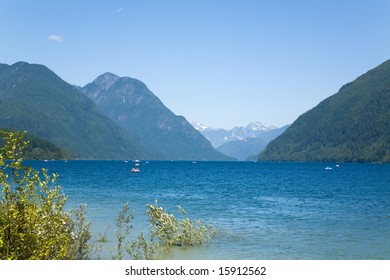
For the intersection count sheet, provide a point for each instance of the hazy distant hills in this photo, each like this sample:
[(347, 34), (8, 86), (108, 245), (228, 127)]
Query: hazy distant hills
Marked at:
[(351, 126), (136, 109), (35, 99), (241, 142), (249, 148)]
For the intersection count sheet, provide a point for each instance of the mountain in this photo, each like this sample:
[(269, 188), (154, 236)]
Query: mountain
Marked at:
[(246, 148), (35, 99), (351, 126), (219, 136), (135, 108)]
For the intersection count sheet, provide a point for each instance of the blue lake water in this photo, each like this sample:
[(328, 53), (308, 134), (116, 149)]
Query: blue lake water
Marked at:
[(263, 210)]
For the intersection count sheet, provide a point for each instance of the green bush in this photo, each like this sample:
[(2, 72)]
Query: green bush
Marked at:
[(33, 222), (177, 232)]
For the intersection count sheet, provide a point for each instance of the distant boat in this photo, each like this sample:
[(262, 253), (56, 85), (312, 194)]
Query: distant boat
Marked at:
[(135, 170), (328, 168)]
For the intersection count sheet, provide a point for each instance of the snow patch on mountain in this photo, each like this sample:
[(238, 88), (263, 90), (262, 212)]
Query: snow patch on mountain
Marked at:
[(219, 136)]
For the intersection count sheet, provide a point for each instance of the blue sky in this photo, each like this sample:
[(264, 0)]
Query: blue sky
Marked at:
[(222, 63)]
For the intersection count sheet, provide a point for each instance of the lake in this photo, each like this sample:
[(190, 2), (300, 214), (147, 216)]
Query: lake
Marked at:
[(262, 210)]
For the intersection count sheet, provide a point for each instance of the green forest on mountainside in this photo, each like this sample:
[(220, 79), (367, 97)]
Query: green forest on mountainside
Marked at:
[(39, 148), (131, 123), (350, 126), (35, 99)]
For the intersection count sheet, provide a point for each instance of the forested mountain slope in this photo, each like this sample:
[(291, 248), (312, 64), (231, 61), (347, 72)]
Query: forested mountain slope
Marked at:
[(351, 126)]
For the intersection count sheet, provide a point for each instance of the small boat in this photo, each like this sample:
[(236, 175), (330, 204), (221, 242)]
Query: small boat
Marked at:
[(328, 168), (135, 170)]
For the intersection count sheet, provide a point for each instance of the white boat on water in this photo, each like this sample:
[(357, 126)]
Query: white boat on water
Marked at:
[(135, 170)]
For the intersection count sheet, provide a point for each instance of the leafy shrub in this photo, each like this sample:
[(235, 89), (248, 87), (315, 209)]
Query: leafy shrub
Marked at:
[(33, 222), (177, 232)]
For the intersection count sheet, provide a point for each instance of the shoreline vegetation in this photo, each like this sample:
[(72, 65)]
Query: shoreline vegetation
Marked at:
[(35, 226)]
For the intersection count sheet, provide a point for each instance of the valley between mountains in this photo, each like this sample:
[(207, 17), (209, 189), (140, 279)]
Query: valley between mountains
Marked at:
[(120, 118)]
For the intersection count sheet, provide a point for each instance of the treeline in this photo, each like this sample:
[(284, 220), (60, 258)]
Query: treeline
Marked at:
[(41, 149)]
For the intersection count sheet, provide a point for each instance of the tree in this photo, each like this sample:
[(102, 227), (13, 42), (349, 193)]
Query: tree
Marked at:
[(33, 222)]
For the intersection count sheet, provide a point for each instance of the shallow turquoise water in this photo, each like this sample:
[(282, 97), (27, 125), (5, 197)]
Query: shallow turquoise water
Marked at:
[(265, 210)]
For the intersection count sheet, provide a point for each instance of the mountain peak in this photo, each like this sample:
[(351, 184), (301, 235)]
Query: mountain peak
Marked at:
[(20, 63), (258, 126), (199, 126), (129, 103), (106, 80)]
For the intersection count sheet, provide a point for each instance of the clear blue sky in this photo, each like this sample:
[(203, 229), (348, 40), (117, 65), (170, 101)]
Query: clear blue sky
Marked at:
[(222, 63)]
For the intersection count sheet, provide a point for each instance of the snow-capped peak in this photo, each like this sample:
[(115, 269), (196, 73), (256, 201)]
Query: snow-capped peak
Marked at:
[(199, 126), (219, 136), (258, 126)]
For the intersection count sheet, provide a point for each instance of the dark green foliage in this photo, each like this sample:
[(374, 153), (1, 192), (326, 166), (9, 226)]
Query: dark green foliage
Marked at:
[(135, 108), (39, 148), (33, 222), (43, 149), (35, 99), (350, 126)]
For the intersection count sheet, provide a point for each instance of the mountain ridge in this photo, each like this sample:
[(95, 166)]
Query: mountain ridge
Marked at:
[(352, 125)]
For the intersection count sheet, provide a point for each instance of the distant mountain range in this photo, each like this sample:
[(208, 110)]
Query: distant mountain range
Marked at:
[(220, 136), (351, 126), (249, 148), (111, 118), (242, 143)]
